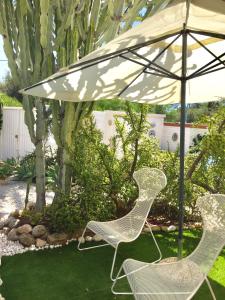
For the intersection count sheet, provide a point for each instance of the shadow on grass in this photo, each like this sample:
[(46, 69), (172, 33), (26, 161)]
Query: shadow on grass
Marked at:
[(65, 273)]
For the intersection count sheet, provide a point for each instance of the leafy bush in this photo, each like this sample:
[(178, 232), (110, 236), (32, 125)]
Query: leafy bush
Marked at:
[(9, 101), (8, 168), (105, 172), (63, 215), (32, 217)]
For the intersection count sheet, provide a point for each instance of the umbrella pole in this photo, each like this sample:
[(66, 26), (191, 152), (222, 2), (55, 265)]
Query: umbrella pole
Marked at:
[(182, 142)]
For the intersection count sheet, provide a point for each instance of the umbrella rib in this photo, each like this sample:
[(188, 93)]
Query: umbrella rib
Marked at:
[(211, 68), (217, 58), (157, 74), (204, 68), (211, 34), (142, 64), (156, 65), (143, 70), (208, 72), (95, 61), (125, 50)]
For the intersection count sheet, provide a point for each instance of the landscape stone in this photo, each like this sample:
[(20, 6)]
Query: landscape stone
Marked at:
[(26, 228), (81, 240), (2, 224), (172, 228), (12, 235), (97, 238), (88, 238), (57, 238), (164, 228), (40, 243), (153, 228), (13, 222), (39, 230), (26, 239)]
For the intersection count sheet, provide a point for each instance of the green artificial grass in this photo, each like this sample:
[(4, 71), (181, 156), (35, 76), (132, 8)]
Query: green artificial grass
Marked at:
[(65, 273)]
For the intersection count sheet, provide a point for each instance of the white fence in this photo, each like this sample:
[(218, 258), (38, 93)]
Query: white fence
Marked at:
[(14, 136), (15, 140)]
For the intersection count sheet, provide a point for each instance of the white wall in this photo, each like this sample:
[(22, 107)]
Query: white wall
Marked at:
[(15, 140), (105, 122), (14, 136), (167, 142)]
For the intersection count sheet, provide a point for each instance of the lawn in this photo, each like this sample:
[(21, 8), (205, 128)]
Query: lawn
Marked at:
[(64, 273)]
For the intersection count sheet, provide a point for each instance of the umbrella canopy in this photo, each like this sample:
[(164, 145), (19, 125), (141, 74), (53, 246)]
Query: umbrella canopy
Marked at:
[(144, 64), (171, 57)]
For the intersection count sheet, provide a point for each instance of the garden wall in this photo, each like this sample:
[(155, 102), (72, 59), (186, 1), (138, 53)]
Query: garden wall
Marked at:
[(14, 136), (15, 140)]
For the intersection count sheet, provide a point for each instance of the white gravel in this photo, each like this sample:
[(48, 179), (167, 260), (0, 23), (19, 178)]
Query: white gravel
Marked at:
[(9, 248), (12, 196)]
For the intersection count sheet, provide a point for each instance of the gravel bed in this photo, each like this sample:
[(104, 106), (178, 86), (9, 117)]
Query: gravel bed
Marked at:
[(12, 195)]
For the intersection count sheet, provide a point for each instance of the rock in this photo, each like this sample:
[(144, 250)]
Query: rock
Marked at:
[(81, 240), (39, 231), (88, 238), (12, 235), (57, 238), (153, 228), (11, 222), (26, 228), (6, 230), (31, 205), (44, 236), (172, 228), (164, 228), (26, 239), (40, 243), (2, 224), (97, 238)]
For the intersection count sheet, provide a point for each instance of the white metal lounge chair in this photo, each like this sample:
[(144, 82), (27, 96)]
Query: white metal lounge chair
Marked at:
[(128, 228), (182, 279)]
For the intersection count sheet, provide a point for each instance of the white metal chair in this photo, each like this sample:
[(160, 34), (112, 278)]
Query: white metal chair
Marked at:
[(128, 228), (181, 279)]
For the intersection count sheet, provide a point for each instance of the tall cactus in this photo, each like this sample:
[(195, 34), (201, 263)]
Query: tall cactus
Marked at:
[(40, 36), (92, 23), (19, 25)]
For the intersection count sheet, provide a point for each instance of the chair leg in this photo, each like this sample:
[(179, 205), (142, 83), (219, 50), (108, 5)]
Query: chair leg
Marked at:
[(87, 248), (113, 264), (154, 239), (210, 288), (115, 281)]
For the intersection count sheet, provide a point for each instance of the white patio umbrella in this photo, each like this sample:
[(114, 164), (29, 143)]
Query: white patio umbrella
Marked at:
[(171, 57)]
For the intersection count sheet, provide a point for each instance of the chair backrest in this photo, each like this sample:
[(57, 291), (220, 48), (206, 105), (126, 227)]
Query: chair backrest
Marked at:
[(150, 182), (212, 208)]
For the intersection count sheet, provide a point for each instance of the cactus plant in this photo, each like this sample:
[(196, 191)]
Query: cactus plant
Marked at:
[(1, 115), (40, 36)]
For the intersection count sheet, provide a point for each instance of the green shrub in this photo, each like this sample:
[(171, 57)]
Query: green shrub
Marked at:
[(33, 217), (9, 101), (8, 168), (105, 172), (63, 215)]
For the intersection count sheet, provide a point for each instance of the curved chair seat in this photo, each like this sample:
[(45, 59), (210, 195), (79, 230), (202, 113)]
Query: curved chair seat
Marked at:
[(111, 232), (128, 228), (180, 280), (163, 280)]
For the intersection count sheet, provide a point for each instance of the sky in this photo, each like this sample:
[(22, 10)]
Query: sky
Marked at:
[(3, 64)]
